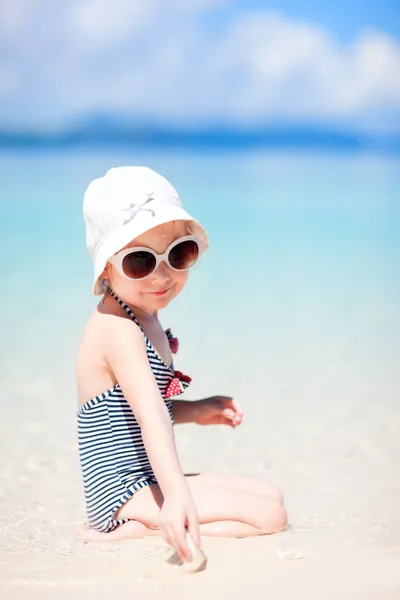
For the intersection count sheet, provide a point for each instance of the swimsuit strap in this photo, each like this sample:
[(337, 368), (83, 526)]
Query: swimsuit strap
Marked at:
[(127, 309), (134, 319)]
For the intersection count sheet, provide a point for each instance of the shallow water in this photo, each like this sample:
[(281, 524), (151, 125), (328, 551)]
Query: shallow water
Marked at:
[(302, 277)]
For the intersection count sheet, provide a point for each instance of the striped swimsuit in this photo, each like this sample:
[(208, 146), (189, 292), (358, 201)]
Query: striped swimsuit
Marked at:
[(113, 457)]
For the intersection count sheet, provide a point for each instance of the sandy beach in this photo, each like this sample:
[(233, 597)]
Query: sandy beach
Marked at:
[(339, 472)]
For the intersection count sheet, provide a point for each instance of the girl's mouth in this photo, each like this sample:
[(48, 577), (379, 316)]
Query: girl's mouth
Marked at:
[(160, 293)]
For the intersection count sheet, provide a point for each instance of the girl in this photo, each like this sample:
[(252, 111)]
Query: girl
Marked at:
[(143, 244)]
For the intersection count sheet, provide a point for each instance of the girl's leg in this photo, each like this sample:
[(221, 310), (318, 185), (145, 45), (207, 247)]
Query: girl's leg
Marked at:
[(240, 489), (257, 486), (222, 511), (127, 531)]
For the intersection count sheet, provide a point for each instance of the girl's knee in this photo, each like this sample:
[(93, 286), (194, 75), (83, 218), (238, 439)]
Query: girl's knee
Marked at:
[(274, 517), (281, 519), (276, 492)]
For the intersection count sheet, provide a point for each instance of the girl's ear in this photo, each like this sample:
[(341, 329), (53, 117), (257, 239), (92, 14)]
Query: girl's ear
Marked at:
[(104, 277)]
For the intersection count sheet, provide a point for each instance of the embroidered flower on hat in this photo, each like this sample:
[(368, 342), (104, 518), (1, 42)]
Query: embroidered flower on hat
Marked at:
[(133, 209)]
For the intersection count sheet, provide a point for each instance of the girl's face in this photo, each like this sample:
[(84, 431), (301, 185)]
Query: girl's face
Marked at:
[(157, 290)]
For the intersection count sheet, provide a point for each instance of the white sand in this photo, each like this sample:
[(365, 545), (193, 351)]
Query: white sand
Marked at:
[(341, 485), (322, 421)]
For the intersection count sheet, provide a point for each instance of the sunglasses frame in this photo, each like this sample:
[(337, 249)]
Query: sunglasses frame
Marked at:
[(117, 259)]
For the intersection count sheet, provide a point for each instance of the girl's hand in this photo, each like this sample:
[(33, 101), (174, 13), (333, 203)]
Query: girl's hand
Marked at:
[(177, 514), (218, 410)]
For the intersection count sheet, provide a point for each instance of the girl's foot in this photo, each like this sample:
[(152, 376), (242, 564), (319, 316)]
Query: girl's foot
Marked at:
[(127, 531)]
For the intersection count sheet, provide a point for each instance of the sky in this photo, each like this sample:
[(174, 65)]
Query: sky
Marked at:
[(201, 63)]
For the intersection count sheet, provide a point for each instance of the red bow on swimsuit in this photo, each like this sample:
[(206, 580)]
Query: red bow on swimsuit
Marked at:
[(173, 341), (180, 382)]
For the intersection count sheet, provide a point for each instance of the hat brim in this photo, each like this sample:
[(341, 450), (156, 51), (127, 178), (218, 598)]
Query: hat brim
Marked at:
[(142, 222)]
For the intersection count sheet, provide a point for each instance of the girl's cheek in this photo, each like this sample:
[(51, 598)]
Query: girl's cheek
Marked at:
[(183, 277), (180, 283), (125, 288)]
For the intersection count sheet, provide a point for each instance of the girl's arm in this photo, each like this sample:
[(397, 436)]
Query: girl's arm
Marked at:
[(127, 357), (184, 411), (216, 410)]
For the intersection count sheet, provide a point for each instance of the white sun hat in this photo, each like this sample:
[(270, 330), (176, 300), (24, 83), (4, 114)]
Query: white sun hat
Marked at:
[(125, 203)]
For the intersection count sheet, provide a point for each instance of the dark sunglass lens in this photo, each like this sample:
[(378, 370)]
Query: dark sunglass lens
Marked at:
[(137, 265), (184, 255)]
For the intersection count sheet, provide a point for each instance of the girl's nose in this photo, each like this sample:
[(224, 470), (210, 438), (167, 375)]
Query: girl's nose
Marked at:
[(162, 274)]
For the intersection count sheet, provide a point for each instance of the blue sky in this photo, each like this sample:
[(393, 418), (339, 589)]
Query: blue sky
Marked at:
[(201, 63), (345, 18)]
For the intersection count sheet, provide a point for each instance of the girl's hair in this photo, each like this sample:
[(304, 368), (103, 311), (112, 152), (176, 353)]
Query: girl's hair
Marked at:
[(192, 228)]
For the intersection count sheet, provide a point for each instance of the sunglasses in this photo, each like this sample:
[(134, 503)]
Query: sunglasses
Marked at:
[(138, 263)]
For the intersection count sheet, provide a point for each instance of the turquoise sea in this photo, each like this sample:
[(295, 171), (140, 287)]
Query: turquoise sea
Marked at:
[(298, 295)]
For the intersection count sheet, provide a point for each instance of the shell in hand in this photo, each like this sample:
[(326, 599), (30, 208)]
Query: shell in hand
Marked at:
[(198, 562), (199, 559)]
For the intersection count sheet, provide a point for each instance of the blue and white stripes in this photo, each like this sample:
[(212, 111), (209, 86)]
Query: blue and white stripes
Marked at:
[(113, 457)]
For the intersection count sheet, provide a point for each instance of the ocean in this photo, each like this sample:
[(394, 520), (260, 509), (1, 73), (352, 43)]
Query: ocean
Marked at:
[(303, 267)]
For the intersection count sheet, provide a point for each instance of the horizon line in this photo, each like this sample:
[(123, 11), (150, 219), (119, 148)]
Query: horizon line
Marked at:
[(122, 133)]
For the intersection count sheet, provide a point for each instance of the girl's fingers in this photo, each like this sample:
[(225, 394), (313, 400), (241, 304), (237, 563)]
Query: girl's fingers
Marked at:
[(228, 413), (181, 545), (237, 406), (231, 416), (167, 536), (173, 542), (231, 402), (194, 530)]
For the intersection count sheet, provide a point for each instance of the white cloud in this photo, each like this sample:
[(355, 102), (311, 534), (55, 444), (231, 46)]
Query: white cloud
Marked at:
[(104, 22), (162, 61), (14, 15), (8, 81)]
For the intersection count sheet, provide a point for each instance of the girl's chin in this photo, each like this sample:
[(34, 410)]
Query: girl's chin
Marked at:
[(161, 301)]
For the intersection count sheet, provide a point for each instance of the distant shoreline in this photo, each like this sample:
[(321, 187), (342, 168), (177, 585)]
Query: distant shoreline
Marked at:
[(120, 135)]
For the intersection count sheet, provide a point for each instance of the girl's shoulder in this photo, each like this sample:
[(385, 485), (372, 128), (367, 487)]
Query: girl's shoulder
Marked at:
[(104, 332), (106, 323)]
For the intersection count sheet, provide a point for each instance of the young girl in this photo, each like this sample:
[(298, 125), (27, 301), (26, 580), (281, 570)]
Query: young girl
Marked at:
[(143, 244)]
